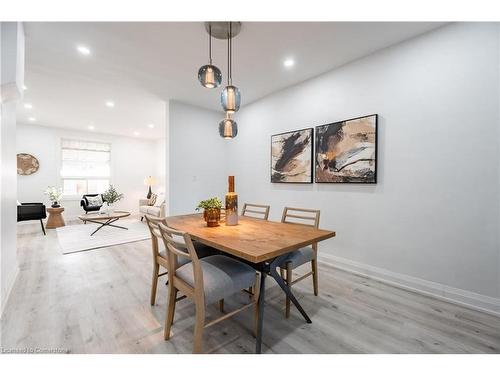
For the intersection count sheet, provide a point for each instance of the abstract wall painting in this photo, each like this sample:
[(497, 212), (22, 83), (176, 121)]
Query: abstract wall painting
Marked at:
[(292, 156), (346, 151)]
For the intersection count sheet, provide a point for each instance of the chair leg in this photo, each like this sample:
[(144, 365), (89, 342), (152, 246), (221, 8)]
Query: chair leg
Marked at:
[(198, 327), (289, 283), (221, 305), (256, 307), (43, 228), (172, 296), (154, 283), (282, 273), (142, 218), (314, 264)]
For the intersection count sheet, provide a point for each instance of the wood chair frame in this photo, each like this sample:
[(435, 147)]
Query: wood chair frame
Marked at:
[(301, 216), (153, 225), (257, 209), (175, 249)]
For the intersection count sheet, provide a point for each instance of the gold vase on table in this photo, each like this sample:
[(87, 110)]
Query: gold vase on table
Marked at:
[(231, 204)]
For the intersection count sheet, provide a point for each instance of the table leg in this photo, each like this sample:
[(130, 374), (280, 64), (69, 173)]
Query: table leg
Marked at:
[(106, 223), (274, 274), (260, 323)]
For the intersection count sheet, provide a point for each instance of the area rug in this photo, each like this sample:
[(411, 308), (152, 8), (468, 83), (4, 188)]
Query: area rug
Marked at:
[(75, 238)]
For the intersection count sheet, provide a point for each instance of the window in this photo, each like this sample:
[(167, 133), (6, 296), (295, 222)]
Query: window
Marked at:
[(85, 167)]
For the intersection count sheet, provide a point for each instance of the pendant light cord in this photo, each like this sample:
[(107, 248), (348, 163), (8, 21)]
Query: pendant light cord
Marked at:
[(210, 43), (231, 53)]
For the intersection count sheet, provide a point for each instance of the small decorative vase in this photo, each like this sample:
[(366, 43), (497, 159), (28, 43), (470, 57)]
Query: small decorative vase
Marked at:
[(212, 217), (110, 208), (55, 205), (231, 204)]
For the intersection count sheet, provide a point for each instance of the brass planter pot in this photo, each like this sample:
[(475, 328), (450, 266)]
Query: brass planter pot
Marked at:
[(212, 217)]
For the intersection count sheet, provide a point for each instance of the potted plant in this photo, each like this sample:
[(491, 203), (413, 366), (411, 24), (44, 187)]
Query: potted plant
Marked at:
[(55, 195), (111, 196), (211, 212)]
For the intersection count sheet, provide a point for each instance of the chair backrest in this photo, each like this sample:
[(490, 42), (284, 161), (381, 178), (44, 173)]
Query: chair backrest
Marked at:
[(257, 211), (303, 216), (179, 244), (154, 228)]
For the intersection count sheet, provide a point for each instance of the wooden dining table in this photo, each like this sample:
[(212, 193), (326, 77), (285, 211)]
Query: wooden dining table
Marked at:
[(261, 243)]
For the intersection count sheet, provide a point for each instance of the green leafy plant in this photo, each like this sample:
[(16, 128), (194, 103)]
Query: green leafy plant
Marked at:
[(54, 194), (111, 195), (210, 204)]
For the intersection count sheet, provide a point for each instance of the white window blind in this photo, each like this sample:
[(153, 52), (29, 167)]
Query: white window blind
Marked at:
[(85, 166)]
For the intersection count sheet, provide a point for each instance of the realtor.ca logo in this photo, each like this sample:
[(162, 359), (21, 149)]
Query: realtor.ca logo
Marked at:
[(34, 350)]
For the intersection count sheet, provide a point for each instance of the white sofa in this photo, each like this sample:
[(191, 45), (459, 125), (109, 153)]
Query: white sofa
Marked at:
[(157, 210)]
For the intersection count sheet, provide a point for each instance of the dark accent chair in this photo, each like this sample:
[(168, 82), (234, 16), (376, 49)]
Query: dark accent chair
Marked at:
[(32, 211), (87, 207)]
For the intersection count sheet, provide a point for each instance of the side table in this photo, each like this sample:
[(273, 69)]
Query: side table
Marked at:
[(55, 219)]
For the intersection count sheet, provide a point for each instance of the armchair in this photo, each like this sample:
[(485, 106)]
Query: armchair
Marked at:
[(157, 210), (87, 207), (32, 211)]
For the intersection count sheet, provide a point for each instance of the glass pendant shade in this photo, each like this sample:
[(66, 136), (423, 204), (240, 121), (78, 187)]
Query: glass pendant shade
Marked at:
[(228, 128), (210, 76), (230, 99)]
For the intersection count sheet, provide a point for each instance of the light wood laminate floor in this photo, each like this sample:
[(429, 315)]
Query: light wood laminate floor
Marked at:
[(98, 302)]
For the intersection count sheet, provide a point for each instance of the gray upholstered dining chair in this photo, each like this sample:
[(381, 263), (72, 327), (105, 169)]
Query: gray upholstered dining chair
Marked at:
[(204, 281), (297, 258), (160, 258), (258, 211)]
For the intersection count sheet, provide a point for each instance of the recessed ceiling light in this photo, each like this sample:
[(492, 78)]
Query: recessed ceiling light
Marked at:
[(288, 63), (151, 126), (110, 104), (83, 50), (25, 87), (32, 119), (28, 105), (137, 133), (91, 127)]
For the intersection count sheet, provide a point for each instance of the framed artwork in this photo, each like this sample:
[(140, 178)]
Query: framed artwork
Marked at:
[(292, 156), (346, 151)]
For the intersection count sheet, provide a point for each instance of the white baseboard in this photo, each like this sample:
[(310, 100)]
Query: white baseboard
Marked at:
[(443, 292), (6, 289)]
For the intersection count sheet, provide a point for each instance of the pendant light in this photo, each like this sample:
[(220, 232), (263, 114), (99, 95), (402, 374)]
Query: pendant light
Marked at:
[(230, 97), (209, 75), (228, 128)]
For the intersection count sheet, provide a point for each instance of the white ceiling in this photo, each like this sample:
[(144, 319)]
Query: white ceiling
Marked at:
[(140, 65)]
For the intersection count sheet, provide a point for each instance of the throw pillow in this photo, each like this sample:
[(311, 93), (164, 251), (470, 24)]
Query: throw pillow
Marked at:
[(160, 199), (94, 201), (152, 199)]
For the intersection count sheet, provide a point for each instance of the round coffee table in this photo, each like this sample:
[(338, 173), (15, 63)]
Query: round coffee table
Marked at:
[(105, 219), (55, 219)]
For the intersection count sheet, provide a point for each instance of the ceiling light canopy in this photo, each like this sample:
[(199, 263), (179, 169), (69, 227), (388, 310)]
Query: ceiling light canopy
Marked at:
[(110, 104), (151, 126), (32, 119), (91, 127), (83, 50)]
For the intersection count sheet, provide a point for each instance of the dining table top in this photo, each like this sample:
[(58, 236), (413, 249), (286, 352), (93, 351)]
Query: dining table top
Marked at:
[(254, 240)]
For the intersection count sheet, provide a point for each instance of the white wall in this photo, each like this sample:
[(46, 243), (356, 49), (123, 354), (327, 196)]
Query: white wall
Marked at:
[(11, 79), (131, 161), (431, 222), (197, 157)]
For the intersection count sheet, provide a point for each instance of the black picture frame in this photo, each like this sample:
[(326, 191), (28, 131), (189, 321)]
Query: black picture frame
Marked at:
[(311, 164), (374, 181)]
